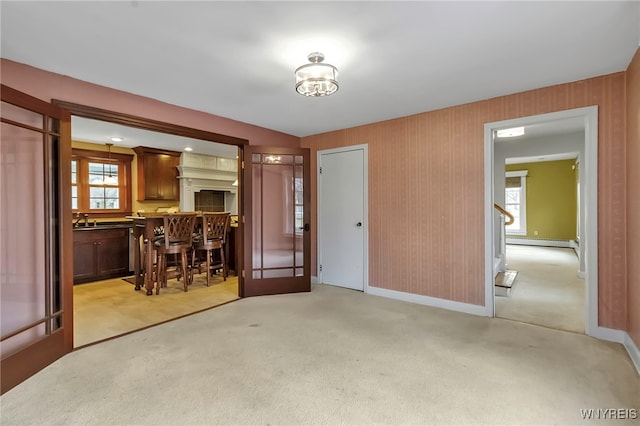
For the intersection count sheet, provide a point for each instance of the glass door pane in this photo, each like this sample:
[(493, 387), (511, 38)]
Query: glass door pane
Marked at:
[(22, 251)]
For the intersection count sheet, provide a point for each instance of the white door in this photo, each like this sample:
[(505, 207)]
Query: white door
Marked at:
[(342, 217)]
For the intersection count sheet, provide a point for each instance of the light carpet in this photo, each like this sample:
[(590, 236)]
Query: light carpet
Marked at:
[(548, 291), (328, 357)]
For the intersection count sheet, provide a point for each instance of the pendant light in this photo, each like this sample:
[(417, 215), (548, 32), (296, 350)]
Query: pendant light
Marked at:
[(110, 180)]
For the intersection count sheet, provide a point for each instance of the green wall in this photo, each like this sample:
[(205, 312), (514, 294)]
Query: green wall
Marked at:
[(551, 199)]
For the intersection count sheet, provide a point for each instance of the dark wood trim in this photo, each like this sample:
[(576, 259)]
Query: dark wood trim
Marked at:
[(271, 286), (15, 368), (15, 97), (147, 123), (25, 328), (141, 150), (241, 228), (66, 228), (102, 155), (24, 126)]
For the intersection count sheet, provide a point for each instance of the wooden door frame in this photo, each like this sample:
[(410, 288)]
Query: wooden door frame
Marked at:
[(94, 113)]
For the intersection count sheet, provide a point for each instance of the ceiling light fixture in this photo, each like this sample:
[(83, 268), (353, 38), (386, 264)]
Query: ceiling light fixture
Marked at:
[(188, 149), (510, 133), (116, 139), (316, 78)]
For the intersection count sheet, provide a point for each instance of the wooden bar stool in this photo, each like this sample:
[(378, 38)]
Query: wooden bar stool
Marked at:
[(178, 239), (214, 228)]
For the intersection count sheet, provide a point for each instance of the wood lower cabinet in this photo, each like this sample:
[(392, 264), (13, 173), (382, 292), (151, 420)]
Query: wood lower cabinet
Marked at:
[(99, 254), (157, 174)]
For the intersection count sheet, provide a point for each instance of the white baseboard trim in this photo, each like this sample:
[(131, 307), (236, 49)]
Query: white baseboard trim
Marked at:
[(609, 334), (314, 280), (633, 351), (451, 305), (619, 336), (532, 242)]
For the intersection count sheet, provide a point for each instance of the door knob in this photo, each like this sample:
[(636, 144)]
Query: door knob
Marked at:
[(359, 224)]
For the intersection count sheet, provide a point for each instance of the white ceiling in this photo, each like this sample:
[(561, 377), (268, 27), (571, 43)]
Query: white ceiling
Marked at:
[(101, 132), (546, 129), (236, 59)]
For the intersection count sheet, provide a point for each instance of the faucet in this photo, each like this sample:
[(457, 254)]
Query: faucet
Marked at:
[(79, 217)]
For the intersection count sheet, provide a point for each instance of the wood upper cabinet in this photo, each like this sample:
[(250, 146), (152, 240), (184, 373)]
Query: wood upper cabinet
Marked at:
[(157, 174)]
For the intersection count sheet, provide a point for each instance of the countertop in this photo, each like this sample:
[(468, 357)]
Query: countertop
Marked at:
[(112, 224)]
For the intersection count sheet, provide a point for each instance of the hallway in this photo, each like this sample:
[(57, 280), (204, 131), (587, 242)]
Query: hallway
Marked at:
[(547, 290)]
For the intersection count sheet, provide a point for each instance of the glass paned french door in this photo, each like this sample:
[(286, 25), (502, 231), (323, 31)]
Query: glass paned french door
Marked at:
[(277, 220), (33, 318)]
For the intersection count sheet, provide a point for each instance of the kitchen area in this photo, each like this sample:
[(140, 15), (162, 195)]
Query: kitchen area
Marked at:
[(116, 183)]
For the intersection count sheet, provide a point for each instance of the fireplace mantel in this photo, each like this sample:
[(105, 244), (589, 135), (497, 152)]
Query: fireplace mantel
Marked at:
[(202, 172)]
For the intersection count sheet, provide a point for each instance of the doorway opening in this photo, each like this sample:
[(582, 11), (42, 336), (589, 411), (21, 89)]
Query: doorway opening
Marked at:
[(549, 256), (105, 303)]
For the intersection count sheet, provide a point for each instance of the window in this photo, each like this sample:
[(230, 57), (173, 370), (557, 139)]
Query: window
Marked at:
[(100, 184), (515, 196)]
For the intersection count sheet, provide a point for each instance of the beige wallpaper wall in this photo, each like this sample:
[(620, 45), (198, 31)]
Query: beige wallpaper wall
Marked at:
[(426, 192)]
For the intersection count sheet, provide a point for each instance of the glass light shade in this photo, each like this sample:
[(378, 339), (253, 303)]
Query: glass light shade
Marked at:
[(316, 78)]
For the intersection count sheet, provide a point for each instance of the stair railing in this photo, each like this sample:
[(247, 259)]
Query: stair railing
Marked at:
[(501, 249), (505, 213)]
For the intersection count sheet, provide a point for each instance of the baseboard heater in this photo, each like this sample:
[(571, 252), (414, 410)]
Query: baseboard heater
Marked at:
[(539, 242)]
